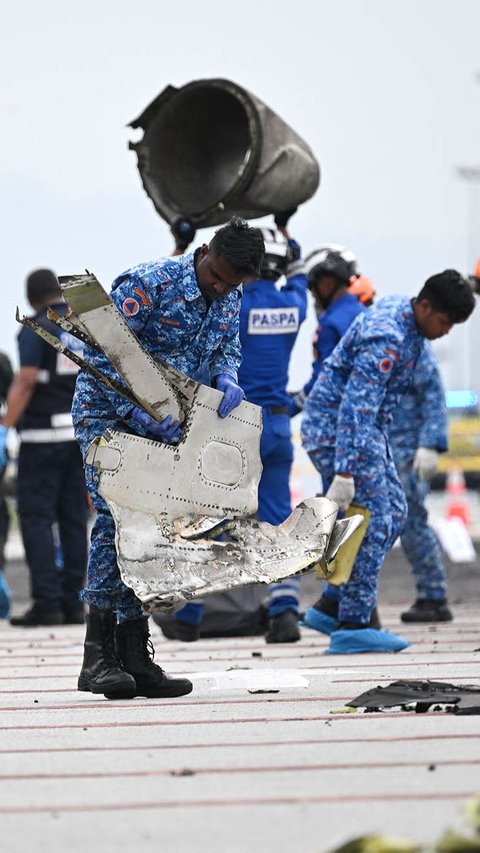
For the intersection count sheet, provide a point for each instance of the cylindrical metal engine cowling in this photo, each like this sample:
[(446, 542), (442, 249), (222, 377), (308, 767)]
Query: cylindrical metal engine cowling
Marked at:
[(211, 150)]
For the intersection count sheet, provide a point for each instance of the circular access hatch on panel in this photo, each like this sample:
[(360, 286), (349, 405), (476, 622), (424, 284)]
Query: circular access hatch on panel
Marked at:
[(222, 463)]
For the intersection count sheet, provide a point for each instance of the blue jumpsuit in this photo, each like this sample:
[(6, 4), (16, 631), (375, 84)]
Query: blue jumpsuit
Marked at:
[(270, 319), (163, 305), (421, 421), (344, 430), (332, 325)]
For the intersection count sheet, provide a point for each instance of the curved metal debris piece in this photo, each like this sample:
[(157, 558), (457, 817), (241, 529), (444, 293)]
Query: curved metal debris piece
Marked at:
[(159, 497), (184, 514), (249, 163), (463, 698), (212, 474), (107, 327)]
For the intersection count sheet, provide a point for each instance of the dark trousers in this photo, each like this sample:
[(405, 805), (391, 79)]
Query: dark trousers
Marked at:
[(51, 489), (4, 521)]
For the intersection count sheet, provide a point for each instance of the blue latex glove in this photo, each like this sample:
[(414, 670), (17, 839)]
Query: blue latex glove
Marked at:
[(3, 446), (169, 431), (295, 252), (232, 394)]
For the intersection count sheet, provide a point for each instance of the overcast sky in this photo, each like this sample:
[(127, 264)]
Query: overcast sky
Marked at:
[(386, 92)]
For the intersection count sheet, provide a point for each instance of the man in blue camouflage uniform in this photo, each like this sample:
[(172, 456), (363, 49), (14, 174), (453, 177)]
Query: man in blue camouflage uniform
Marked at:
[(185, 311), (270, 319), (340, 295), (418, 433), (344, 430)]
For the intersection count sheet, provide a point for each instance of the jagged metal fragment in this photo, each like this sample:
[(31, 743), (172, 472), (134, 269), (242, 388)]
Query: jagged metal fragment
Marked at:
[(159, 497), (165, 570), (70, 323), (106, 325), (462, 698), (56, 343), (185, 514)]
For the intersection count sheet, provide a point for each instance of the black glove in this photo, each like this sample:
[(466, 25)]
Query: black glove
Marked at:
[(281, 218), (183, 231)]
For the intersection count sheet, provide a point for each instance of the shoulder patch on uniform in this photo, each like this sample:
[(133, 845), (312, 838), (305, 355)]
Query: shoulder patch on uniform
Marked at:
[(386, 365), (130, 306)]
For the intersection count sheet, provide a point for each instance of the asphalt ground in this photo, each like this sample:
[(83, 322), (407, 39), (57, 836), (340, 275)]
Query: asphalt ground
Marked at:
[(258, 757)]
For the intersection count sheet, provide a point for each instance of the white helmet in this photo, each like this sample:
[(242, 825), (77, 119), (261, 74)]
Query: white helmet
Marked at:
[(276, 256), (330, 257)]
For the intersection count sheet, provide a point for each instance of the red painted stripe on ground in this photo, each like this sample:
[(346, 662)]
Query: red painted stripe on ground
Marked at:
[(192, 673), (42, 665), (418, 638), (73, 676), (342, 661), (207, 771), (258, 801), (451, 679), (242, 744), (266, 656), (33, 656), (158, 703), (400, 715), (335, 661)]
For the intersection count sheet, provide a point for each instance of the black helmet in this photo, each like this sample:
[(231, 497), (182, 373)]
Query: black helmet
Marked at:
[(331, 259), (276, 255)]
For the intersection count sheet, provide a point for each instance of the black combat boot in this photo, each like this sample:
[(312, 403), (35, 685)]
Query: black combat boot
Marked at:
[(36, 616), (101, 671), (283, 628), (74, 615), (135, 650), (427, 610)]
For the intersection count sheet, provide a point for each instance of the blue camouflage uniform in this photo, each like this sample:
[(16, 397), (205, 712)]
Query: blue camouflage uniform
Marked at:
[(333, 322), (421, 421), (344, 430), (270, 319), (332, 325), (162, 303)]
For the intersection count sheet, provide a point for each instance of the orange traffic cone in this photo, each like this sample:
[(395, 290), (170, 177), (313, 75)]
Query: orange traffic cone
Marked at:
[(456, 495)]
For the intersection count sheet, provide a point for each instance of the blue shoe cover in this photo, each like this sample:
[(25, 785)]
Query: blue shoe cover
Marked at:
[(319, 621), (345, 642), (5, 597)]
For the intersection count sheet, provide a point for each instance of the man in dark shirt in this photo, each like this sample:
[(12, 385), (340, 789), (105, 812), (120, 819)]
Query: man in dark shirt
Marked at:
[(6, 375), (51, 484)]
